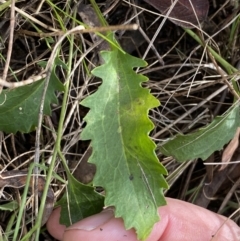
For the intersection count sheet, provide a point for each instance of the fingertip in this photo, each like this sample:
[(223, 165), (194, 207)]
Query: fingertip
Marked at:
[(54, 227), (160, 227), (101, 227)]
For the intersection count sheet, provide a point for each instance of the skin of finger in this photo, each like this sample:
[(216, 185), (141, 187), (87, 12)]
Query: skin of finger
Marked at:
[(112, 230), (190, 222), (179, 221), (53, 225)]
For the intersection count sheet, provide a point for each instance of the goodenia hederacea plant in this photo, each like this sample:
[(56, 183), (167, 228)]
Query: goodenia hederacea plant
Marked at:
[(84, 201), (19, 107), (118, 127), (202, 143)]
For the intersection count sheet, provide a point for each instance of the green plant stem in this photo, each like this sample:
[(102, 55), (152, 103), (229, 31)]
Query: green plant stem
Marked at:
[(99, 14), (62, 117), (234, 30), (23, 201), (57, 146), (108, 35), (6, 4), (9, 228), (229, 68), (65, 97)]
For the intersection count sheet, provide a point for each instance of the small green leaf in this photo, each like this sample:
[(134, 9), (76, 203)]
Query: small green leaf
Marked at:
[(118, 125), (20, 107), (78, 202), (10, 206), (205, 141)]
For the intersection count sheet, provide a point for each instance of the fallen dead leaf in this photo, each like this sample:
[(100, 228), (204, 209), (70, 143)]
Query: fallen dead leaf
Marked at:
[(185, 13)]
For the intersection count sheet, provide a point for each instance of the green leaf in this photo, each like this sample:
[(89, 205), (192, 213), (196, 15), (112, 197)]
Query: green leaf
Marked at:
[(10, 206), (79, 201), (205, 141), (118, 125), (20, 107)]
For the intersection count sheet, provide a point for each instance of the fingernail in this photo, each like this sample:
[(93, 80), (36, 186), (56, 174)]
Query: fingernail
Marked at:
[(93, 222)]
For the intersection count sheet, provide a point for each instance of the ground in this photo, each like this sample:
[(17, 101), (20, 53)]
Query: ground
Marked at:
[(183, 74)]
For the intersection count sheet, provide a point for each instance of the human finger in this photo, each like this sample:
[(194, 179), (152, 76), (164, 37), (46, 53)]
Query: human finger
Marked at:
[(179, 221)]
